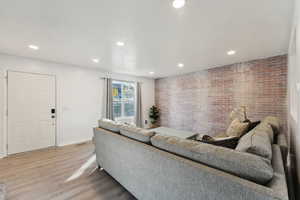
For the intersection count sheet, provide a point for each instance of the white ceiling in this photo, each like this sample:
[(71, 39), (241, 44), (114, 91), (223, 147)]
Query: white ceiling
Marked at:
[(156, 35)]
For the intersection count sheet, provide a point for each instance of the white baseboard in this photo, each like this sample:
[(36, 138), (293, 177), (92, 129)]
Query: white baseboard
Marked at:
[(60, 145), (74, 142)]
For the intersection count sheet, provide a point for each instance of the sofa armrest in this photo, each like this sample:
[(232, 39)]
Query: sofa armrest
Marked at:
[(278, 182), (281, 140), (283, 144)]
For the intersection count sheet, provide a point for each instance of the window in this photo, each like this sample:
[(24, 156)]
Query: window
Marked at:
[(123, 101)]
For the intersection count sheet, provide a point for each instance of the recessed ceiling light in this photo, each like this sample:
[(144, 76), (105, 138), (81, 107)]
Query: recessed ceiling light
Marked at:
[(151, 73), (180, 65), (120, 43), (231, 52), (95, 60), (34, 47), (178, 3)]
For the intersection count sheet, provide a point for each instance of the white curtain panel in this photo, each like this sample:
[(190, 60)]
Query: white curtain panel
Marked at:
[(107, 104), (138, 112)]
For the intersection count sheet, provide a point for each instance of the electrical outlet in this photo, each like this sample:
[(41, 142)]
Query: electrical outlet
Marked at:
[(298, 87)]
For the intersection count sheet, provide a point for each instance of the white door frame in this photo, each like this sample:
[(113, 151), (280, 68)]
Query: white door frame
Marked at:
[(5, 139)]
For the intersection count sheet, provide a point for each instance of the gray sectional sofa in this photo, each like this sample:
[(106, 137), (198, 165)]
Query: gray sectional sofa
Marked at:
[(161, 166)]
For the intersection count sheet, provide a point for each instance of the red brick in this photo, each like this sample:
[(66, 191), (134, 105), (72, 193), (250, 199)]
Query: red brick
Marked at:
[(202, 101)]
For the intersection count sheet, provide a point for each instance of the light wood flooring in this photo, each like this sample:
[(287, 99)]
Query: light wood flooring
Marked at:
[(68, 172)]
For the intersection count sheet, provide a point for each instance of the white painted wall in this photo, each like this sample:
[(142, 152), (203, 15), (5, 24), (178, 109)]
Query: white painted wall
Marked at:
[(294, 89), (79, 96)]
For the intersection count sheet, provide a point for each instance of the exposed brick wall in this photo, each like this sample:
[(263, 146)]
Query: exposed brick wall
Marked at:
[(202, 101)]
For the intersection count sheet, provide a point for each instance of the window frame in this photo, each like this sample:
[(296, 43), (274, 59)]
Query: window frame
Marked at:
[(123, 117)]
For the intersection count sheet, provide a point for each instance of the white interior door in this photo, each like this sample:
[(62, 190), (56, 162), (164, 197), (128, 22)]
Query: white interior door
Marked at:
[(31, 118)]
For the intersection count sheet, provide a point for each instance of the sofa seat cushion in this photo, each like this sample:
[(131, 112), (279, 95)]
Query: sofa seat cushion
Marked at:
[(257, 141), (221, 135), (245, 165), (237, 128), (110, 125), (136, 133), (228, 142), (174, 132)]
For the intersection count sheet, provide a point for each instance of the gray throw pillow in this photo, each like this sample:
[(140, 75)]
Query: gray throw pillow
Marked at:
[(274, 123), (265, 128), (257, 142)]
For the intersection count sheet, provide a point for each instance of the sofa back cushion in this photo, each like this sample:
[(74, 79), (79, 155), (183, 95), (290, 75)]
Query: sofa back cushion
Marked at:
[(241, 164), (258, 141), (136, 133), (109, 125), (237, 128)]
